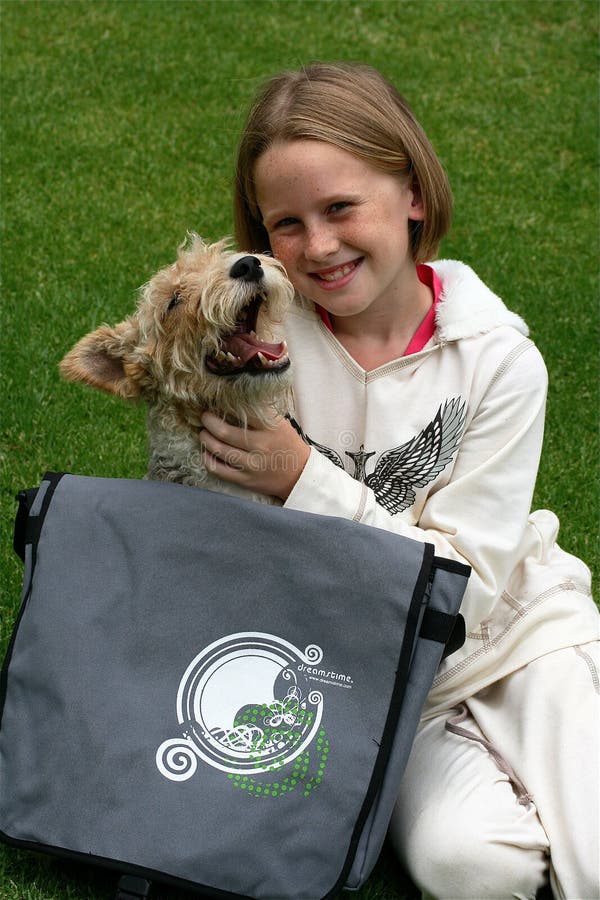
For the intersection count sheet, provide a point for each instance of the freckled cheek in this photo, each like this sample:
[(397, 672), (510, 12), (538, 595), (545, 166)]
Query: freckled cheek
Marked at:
[(287, 252)]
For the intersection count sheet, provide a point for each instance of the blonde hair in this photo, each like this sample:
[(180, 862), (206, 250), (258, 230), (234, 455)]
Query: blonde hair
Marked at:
[(355, 108)]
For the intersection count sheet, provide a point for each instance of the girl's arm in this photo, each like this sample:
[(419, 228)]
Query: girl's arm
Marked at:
[(480, 516)]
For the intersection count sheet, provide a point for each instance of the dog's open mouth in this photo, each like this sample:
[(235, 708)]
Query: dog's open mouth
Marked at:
[(242, 351)]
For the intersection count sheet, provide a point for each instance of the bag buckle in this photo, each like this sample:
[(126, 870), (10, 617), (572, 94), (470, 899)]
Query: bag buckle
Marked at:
[(131, 887)]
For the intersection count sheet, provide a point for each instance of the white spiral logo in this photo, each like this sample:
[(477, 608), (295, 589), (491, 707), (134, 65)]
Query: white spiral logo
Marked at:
[(315, 697), (176, 759), (242, 707), (313, 653), (347, 439)]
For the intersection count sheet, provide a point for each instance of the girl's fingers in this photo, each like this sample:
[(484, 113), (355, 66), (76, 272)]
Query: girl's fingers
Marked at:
[(226, 457), (221, 469), (219, 428), (219, 450), (232, 435), (266, 460)]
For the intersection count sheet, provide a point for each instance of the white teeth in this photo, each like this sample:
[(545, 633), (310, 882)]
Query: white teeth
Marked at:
[(338, 273), (272, 363)]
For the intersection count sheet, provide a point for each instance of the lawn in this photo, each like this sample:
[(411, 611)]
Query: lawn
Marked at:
[(119, 124)]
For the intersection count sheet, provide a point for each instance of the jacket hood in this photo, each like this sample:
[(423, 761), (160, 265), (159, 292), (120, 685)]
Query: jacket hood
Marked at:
[(467, 307)]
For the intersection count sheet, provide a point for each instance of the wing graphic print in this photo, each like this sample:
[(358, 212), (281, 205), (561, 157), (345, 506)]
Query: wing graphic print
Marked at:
[(326, 451), (417, 462)]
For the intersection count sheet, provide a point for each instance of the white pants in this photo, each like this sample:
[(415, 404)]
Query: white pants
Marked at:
[(464, 829)]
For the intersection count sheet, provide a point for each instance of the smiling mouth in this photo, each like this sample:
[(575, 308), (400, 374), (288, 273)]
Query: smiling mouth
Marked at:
[(242, 351), (336, 274)]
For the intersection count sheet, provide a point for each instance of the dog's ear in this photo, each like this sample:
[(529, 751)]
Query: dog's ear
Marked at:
[(105, 359)]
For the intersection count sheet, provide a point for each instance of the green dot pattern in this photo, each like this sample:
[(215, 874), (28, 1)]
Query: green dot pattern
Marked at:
[(305, 776)]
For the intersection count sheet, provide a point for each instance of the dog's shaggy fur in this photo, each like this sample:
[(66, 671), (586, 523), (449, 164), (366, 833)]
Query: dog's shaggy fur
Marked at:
[(192, 345)]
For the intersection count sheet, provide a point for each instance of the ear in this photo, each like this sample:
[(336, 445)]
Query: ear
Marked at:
[(417, 207), (103, 360)]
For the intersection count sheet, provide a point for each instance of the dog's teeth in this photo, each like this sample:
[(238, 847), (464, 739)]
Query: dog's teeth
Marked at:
[(263, 359), (253, 335), (221, 356), (232, 358)]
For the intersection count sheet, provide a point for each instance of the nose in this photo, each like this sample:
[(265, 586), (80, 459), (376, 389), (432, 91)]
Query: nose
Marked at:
[(321, 242), (248, 268)]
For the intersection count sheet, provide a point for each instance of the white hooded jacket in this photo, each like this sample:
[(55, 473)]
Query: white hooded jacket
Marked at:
[(443, 446)]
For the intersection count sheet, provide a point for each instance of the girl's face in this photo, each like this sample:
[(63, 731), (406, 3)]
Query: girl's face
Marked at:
[(339, 226)]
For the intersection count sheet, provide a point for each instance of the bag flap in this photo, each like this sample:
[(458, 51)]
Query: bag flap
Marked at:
[(217, 678)]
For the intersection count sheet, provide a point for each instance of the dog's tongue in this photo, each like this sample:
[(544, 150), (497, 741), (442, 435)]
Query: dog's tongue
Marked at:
[(246, 347)]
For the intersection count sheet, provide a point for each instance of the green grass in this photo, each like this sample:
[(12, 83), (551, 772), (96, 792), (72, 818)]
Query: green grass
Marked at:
[(119, 124)]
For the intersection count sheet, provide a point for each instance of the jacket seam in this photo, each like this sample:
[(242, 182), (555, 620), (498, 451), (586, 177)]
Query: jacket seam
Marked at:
[(490, 643), (347, 362), (396, 365), (591, 667), (510, 358), (357, 517), (360, 374)]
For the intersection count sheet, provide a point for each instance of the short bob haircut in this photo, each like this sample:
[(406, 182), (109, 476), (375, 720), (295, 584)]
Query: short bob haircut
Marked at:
[(355, 108)]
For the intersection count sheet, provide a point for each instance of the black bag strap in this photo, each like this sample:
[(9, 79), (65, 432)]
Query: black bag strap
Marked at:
[(27, 526), (132, 887), (451, 565), (445, 628), (25, 500), (27, 530)]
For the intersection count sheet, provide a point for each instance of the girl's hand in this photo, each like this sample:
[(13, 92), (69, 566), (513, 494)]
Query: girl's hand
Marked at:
[(266, 460)]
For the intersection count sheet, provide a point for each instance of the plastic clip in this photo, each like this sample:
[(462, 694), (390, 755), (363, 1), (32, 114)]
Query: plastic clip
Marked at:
[(131, 887)]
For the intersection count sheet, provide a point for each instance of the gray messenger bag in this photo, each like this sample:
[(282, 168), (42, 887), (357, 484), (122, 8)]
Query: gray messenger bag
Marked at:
[(212, 693)]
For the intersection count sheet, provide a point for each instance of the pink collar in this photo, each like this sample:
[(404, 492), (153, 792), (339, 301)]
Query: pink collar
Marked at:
[(426, 329)]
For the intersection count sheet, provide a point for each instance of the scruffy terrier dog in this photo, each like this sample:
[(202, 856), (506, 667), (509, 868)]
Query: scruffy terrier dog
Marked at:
[(192, 345)]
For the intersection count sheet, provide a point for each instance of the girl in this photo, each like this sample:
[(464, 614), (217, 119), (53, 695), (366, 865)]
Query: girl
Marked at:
[(419, 406)]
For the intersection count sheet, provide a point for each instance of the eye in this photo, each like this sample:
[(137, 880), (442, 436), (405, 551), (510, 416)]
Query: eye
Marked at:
[(285, 223), (339, 206), (175, 299)]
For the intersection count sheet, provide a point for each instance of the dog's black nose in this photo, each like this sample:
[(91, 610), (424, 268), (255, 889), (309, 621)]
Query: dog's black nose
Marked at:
[(248, 268)]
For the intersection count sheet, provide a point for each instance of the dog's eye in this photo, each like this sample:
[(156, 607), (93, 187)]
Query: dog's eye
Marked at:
[(175, 299)]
